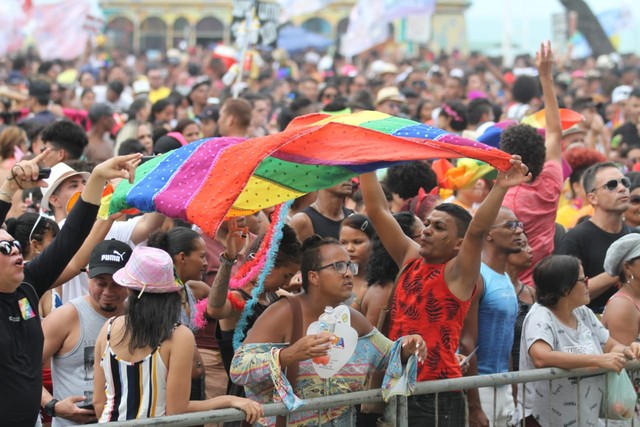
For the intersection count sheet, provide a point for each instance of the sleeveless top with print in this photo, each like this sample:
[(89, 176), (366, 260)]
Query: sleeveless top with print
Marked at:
[(424, 305)]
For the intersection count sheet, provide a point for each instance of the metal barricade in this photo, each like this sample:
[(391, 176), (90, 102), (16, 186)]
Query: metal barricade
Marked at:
[(396, 412)]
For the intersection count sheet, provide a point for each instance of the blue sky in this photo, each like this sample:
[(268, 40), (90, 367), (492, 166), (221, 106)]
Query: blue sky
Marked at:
[(532, 22)]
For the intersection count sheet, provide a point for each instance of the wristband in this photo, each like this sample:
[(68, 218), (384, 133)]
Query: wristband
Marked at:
[(50, 407), (224, 260)]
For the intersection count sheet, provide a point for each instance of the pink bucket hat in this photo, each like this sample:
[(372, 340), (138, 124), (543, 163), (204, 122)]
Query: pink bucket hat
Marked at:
[(148, 270)]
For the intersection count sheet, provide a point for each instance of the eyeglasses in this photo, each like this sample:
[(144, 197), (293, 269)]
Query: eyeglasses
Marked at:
[(512, 225), (341, 267), (583, 279), (634, 200), (6, 246), (612, 184)]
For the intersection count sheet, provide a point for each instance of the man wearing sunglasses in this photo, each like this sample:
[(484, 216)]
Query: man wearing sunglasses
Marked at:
[(490, 321), (21, 285), (608, 192)]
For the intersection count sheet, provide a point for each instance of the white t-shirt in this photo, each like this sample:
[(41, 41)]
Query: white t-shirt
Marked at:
[(79, 285), (556, 404)]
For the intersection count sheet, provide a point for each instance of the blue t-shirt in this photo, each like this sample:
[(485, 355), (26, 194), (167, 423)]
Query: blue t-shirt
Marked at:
[(496, 319)]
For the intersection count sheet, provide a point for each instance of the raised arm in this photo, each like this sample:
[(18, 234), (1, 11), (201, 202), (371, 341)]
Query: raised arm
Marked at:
[(400, 246), (149, 223), (218, 305), (462, 271), (553, 143)]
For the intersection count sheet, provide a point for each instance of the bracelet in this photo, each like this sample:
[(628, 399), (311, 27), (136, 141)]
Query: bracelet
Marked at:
[(224, 260), (358, 302), (7, 195)]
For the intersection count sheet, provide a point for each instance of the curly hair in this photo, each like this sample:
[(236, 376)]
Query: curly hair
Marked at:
[(66, 135), (554, 277), (382, 268), (406, 179), (289, 251), (580, 159), (525, 141)]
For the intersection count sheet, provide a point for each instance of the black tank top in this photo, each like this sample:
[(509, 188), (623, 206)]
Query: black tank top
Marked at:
[(323, 226)]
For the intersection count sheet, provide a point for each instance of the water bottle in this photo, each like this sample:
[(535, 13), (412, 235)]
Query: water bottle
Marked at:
[(326, 324)]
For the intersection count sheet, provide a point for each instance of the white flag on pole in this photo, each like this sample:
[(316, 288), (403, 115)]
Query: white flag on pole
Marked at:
[(367, 27)]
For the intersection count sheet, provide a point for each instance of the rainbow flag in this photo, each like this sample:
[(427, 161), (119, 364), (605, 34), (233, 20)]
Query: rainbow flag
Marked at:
[(212, 179)]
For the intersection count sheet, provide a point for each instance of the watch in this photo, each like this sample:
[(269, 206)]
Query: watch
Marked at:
[(50, 407), (227, 261)]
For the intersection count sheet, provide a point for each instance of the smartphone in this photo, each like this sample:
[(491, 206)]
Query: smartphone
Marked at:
[(44, 173), (86, 405)]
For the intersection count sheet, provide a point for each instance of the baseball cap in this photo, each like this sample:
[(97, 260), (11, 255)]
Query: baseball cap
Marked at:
[(210, 112), (59, 173), (621, 93), (108, 257)]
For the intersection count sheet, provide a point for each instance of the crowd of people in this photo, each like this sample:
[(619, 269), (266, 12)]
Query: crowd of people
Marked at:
[(134, 316)]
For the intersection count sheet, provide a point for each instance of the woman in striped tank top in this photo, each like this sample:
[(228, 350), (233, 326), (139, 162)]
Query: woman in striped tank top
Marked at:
[(143, 359)]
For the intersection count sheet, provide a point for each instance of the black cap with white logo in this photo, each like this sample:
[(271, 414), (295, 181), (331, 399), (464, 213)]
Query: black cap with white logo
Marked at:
[(108, 257)]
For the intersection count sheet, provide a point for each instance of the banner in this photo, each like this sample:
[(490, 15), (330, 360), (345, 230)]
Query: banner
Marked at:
[(255, 23)]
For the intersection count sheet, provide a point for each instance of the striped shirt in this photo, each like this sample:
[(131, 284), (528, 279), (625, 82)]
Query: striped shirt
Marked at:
[(134, 389)]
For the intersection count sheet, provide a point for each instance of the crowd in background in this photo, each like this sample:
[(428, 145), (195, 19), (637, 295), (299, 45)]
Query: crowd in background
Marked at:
[(515, 265)]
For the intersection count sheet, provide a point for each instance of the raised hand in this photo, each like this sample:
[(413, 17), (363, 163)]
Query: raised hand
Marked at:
[(118, 167), (236, 238), (24, 174), (516, 175), (545, 60)]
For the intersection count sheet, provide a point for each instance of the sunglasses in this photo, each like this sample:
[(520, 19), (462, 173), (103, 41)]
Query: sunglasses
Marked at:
[(512, 225), (341, 267), (634, 200), (612, 184), (6, 246)]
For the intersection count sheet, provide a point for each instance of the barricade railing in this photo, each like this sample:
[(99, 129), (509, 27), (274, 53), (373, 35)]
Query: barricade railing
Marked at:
[(396, 409)]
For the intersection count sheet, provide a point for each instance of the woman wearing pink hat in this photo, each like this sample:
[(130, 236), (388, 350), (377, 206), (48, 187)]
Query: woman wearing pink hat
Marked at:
[(143, 359)]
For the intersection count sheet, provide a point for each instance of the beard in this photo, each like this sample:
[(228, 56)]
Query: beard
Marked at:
[(108, 308)]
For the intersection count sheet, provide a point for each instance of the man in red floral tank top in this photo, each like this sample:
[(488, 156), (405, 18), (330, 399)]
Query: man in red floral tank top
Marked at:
[(435, 289)]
